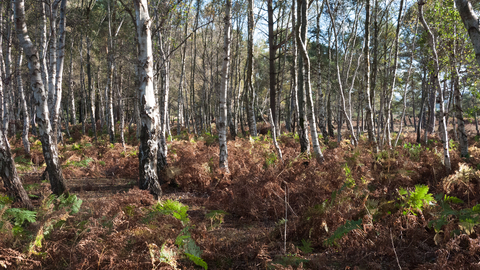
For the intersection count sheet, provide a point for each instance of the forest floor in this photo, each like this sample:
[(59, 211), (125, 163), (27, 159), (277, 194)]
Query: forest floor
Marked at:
[(396, 209)]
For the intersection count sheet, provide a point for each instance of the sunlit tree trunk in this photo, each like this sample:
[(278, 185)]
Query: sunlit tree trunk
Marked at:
[(368, 89), (23, 101), (463, 139), (148, 106), (321, 106), (40, 97), (181, 112), (43, 44), (431, 41), (388, 111), (7, 89), (302, 43), (343, 105), (302, 125), (59, 69), (101, 102), (222, 119), (52, 52), (83, 103), (91, 89), (71, 95), (122, 107), (110, 70)]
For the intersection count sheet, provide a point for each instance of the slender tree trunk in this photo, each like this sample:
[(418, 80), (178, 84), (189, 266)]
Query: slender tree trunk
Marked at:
[(181, 113), (321, 106), (406, 86), (368, 89), (274, 136), (42, 114), (302, 125), (388, 111), (91, 90), (271, 60), (122, 108), (52, 72), (23, 101), (148, 111), (301, 40), (60, 55), (7, 91), (222, 119), (83, 104), (431, 40), (71, 95), (101, 102), (250, 93), (43, 45), (459, 115), (349, 122), (110, 71)]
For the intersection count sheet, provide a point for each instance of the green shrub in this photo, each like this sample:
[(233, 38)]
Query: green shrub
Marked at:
[(414, 150), (414, 201), (466, 219), (184, 240)]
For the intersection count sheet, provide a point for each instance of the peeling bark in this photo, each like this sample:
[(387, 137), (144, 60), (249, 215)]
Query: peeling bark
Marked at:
[(148, 106), (40, 102)]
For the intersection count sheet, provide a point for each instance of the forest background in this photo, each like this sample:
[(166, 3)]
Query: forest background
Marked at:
[(373, 103)]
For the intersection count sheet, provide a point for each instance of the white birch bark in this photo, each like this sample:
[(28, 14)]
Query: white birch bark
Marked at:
[(311, 108), (52, 72), (222, 119), (110, 70), (7, 89), (368, 90), (23, 101), (274, 135), (71, 95), (343, 105), (392, 88), (40, 101), (148, 106), (59, 68)]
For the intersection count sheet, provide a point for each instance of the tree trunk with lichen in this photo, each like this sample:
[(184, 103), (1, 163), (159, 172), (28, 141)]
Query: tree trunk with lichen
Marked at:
[(148, 107)]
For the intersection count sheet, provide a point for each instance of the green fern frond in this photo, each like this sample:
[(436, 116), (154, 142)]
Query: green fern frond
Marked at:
[(349, 226)]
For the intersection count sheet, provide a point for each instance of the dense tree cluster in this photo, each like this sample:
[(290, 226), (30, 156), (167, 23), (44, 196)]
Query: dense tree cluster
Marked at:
[(306, 67)]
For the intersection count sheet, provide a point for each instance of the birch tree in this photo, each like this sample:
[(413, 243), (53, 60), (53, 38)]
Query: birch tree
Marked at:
[(470, 20), (40, 102), (250, 94), (23, 101), (222, 119), (148, 106), (302, 43), (368, 90), (431, 41)]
